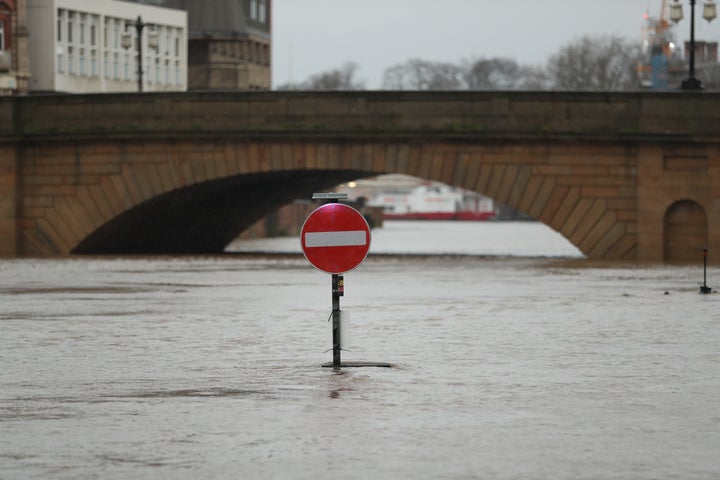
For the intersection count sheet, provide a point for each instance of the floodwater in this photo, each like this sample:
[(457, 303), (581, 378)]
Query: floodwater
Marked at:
[(504, 367)]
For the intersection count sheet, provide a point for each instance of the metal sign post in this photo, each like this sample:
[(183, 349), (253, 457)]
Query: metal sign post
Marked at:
[(337, 292), (704, 287), (335, 238)]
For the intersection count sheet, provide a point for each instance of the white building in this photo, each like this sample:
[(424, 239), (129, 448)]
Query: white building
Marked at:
[(87, 46)]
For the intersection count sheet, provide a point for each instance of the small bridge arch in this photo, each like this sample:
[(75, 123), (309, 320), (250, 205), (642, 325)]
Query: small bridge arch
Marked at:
[(685, 231)]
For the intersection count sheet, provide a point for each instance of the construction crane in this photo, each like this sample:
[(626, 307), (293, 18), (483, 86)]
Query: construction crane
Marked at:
[(661, 55)]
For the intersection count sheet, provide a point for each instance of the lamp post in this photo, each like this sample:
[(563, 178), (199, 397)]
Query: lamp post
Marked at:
[(676, 14), (126, 42)]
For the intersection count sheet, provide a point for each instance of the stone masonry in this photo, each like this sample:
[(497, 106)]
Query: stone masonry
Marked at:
[(188, 172)]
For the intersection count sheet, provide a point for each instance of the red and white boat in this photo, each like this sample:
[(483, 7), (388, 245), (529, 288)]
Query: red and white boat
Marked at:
[(433, 201)]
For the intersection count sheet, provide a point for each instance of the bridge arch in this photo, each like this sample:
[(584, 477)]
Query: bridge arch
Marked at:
[(685, 231), (178, 197), (203, 217)]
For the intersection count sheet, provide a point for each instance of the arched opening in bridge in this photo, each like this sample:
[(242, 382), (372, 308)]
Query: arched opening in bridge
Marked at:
[(685, 231), (207, 216), (420, 220)]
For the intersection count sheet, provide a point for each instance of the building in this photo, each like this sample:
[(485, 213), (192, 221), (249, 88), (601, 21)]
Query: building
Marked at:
[(705, 52), (14, 68), (8, 80), (229, 44), (80, 46)]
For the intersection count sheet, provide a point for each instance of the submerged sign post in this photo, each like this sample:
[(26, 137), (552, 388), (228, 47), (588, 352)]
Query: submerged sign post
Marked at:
[(335, 238)]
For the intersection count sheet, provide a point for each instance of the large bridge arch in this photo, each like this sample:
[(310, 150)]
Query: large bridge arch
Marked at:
[(167, 197), (175, 197)]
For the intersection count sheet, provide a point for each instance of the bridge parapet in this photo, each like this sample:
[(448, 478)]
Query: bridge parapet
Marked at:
[(542, 116)]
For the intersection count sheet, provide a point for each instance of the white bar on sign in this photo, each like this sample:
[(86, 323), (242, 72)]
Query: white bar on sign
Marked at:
[(335, 239)]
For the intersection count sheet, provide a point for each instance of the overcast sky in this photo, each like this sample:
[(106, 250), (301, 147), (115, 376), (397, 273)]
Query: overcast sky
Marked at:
[(313, 36)]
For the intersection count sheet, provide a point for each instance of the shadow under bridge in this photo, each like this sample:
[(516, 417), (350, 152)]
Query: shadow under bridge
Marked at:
[(206, 217)]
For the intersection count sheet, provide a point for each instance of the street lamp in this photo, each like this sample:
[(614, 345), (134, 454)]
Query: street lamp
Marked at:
[(126, 42), (676, 14)]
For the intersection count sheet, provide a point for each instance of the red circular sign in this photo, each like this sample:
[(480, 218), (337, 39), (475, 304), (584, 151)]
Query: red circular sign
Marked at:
[(335, 238)]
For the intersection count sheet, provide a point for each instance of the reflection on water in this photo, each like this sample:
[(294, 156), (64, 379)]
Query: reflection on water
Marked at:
[(210, 367), (517, 239)]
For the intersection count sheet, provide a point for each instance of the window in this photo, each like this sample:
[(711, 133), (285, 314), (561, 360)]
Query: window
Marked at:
[(2, 35), (71, 60), (93, 63), (60, 48), (81, 27), (81, 59), (60, 17), (254, 9), (126, 67), (70, 23), (93, 45), (116, 34), (105, 29), (106, 32), (153, 69), (93, 32), (262, 12)]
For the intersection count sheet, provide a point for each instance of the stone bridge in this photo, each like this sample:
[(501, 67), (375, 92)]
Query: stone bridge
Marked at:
[(623, 176)]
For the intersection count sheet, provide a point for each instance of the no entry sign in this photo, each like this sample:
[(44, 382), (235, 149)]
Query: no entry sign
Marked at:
[(335, 238)]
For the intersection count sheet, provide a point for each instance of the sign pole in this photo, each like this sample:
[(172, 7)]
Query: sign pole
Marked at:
[(704, 288), (336, 319)]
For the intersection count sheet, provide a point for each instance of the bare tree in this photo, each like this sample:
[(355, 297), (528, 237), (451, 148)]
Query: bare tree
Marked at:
[(482, 74), (342, 78), (502, 74), (532, 78), (288, 86), (709, 74), (595, 63), (491, 74), (419, 74), (589, 63)]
